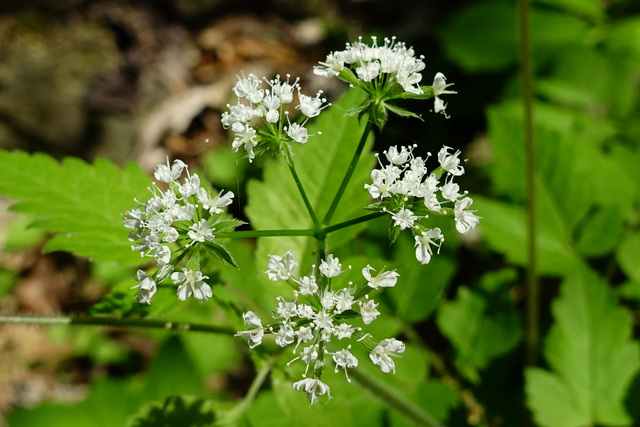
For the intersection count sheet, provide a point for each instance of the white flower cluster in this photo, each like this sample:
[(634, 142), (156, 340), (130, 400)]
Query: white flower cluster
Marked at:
[(182, 218), (320, 315), (405, 189), (268, 106), (394, 60)]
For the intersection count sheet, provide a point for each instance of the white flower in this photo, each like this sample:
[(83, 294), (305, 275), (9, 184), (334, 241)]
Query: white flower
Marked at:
[(397, 157), (249, 88), (147, 287), (330, 267), (382, 353), (285, 335), (450, 162), (368, 311), (450, 191), (385, 279), (424, 241), (281, 267), (309, 106), (313, 388), (214, 204), (343, 330), (254, 336), (404, 218), (164, 173), (297, 132), (193, 285), (308, 285), (440, 88), (465, 220), (200, 231), (344, 300), (344, 359)]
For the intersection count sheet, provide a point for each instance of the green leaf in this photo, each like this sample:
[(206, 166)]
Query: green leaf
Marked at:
[(82, 202), (628, 256), (484, 36), (591, 357), (592, 9), (504, 228), (175, 411), (354, 408), (275, 202), (419, 287), (480, 327), (173, 371), (600, 232)]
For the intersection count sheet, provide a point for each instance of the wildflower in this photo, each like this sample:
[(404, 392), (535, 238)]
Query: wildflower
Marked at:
[(450, 162), (382, 353), (440, 88), (180, 219), (318, 317), (192, 284), (254, 336), (313, 388), (147, 287), (281, 267), (424, 241), (385, 279), (264, 124), (465, 219)]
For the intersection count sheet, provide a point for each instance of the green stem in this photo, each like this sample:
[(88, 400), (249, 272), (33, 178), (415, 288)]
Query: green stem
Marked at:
[(351, 222), (347, 176), (312, 213), (259, 379), (264, 233), (118, 323), (393, 400), (532, 308)]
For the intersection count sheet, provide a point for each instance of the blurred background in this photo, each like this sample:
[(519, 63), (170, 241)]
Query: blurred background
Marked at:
[(142, 80)]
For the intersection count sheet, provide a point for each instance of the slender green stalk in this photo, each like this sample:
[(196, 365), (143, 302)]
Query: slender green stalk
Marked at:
[(259, 379), (532, 308), (347, 176), (264, 233), (117, 323), (393, 400), (351, 222), (312, 213)]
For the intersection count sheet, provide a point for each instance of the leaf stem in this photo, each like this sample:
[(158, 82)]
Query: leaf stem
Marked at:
[(533, 291), (116, 322), (312, 213), (351, 222), (393, 400), (349, 173), (264, 233)]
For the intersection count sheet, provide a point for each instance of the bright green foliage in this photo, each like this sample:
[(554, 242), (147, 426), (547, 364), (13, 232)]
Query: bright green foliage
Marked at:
[(82, 203), (591, 358), (480, 326), (494, 44), (422, 285), (175, 411), (628, 255)]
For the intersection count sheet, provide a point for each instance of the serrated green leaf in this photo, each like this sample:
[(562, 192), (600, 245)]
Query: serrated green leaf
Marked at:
[(480, 328), (401, 111), (221, 253), (82, 202), (275, 202), (175, 411), (591, 357)]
